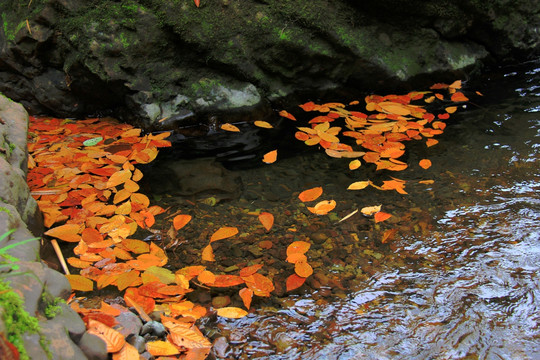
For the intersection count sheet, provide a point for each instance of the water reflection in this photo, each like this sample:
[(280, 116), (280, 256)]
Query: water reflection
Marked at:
[(459, 282)]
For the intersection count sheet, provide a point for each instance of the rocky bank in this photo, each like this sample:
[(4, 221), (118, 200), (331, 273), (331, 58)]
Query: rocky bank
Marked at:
[(167, 63)]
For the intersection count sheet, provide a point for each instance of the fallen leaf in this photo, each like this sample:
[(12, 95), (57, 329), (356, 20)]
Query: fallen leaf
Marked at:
[(270, 157), (323, 207), (370, 210), (128, 352), (267, 220), (80, 283), (263, 124), (231, 312), (161, 348), (294, 282), (359, 185), (180, 221), (229, 127), (381, 216), (303, 269), (67, 232), (389, 235), (208, 253), (355, 164), (287, 115), (223, 233), (425, 163), (246, 295), (112, 338), (310, 194)]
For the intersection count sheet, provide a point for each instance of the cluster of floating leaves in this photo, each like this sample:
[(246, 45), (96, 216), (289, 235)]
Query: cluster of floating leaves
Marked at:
[(83, 175)]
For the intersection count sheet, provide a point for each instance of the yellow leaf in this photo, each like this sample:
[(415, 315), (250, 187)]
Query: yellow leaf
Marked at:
[(80, 283), (355, 164), (161, 348), (359, 185), (118, 178), (263, 124), (323, 207), (231, 312), (229, 127)]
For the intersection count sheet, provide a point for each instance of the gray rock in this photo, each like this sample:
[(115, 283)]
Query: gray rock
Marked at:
[(57, 284), (60, 345), (128, 324), (93, 347), (72, 322), (154, 328), (138, 342)]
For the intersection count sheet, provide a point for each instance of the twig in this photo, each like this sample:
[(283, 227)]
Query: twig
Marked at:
[(60, 256)]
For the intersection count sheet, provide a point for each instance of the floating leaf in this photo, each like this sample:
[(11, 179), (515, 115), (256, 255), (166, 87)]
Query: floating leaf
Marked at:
[(223, 233), (80, 283), (229, 127), (370, 210), (287, 115), (359, 185), (231, 312), (294, 282), (263, 124), (381, 216), (303, 269), (431, 142), (355, 164), (67, 232), (458, 97), (180, 221), (208, 253), (425, 163), (310, 194), (250, 270), (267, 220), (246, 295), (270, 157), (389, 235), (323, 207), (118, 178)]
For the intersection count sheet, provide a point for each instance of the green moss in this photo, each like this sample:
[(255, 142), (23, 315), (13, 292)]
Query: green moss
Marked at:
[(51, 305), (6, 210), (16, 319)]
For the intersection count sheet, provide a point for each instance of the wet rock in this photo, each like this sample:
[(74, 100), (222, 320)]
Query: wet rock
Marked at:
[(138, 342), (220, 347), (61, 346), (93, 347), (154, 328), (128, 324), (283, 342), (72, 321)]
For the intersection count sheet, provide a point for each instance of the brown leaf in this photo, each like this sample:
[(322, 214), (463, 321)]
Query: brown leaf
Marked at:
[(113, 339)]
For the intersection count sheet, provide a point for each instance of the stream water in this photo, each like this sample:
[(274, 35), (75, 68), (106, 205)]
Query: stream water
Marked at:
[(460, 280)]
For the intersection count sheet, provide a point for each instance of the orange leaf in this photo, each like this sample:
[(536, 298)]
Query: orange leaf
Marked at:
[(370, 210), (80, 283), (259, 284), (310, 194), (223, 233), (246, 295), (197, 3), (250, 270), (323, 207), (180, 221), (287, 115), (427, 182), (298, 247), (67, 232), (113, 339), (270, 157), (127, 279), (431, 142), (161, 348), (458, 97), (451, 109), (355, 164), (381, 216), (229, 127), (263, 124), (231, 312), (128, 352), (118, 178), (227, 281), (267, 220), (303, 269), (294, 282), (389, 235), (208, 253), (425, 163), (206, 277)]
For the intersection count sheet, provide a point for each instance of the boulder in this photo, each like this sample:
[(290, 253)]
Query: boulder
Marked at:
[(167, 63)]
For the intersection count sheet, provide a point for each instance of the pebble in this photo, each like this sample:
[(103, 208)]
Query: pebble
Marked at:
[(128, 324), (93, 347), (220, 347), (154, 328), (138, 342)]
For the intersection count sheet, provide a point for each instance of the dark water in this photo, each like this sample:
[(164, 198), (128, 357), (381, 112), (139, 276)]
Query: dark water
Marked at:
[(460, 279)]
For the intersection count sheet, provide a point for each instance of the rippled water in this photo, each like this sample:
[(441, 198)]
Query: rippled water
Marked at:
[(459, 281)]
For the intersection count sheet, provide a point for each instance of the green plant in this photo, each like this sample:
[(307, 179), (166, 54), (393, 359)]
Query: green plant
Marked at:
[(10, 261)]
